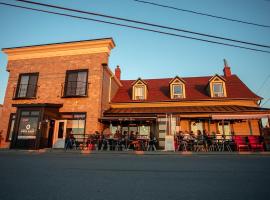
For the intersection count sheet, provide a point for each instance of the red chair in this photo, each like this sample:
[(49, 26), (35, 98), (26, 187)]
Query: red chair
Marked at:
[(254, 143), (240, 143)]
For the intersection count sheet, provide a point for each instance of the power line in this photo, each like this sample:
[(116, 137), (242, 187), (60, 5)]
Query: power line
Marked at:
[(203, 14), (265, 80), (266, 101), (134, 27), (144, 23)]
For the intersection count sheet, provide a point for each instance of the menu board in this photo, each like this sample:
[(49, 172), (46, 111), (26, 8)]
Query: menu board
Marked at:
[(169, 143)]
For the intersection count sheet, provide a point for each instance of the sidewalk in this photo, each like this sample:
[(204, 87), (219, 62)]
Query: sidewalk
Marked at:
[(158, 152)]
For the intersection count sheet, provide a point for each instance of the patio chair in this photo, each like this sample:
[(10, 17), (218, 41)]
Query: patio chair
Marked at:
[(240, 143), (254, 143), (200, 146)]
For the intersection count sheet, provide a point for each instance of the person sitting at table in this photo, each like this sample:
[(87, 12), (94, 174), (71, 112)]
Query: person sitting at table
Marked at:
[(101, 142), (118, 140), (117, 135), (91, 140), (132, 136), (207, 139), (186, 135), (199, 135), (213, 135), (192, 135), (134, 144)]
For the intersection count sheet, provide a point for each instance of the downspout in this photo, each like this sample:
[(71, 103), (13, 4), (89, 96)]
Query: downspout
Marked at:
[(110, 88), (101, 95)]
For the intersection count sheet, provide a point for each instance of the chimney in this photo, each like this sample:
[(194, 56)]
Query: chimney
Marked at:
[(117, 72), (226, 70)]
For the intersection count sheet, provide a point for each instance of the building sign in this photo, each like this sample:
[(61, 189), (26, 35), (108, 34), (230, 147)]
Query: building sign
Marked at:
[(28, 127)]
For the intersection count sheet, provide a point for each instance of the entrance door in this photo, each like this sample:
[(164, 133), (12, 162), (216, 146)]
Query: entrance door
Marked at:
[(59, 134), (51, 133)]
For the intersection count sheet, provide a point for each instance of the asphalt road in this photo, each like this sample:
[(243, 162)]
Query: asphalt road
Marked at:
[(124, 176)]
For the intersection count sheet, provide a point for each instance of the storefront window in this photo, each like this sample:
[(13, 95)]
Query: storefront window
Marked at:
[(227, 130), (28, 125), (196, 126), (76, 125), (144, 130)]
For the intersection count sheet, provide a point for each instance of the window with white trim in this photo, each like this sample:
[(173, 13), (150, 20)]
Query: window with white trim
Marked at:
[(178, 91), (218, 90), (139, 92)]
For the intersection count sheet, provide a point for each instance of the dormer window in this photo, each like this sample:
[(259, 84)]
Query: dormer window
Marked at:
[(177, 91), (177, 88), (218, 90), (217, 86), (139, 90)]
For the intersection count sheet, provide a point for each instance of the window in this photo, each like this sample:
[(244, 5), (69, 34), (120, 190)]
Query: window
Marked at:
[(28, 125), (75, 125), (227, 130), (144, 130), (196, 126), (76, 83), (27, 86), (218, 90), (11, 126), (139, 92), (177, 88), (177, 91)]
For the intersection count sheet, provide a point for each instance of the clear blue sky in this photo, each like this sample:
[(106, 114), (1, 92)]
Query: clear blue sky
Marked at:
[(151, 55)]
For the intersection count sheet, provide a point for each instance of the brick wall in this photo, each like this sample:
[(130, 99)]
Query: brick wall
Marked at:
[(1, 108), (52, 72)]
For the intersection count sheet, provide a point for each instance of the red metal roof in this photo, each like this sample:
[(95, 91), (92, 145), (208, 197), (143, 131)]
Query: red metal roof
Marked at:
[(196, 89)]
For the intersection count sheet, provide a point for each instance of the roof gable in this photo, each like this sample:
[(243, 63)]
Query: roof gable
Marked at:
[(177, 79), (217, 77), (139, 81)]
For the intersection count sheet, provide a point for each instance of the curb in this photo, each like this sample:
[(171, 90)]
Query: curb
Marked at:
[(88, 152)]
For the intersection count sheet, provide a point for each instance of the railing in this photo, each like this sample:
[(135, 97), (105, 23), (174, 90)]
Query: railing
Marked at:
[(74, 89), (22, 91)]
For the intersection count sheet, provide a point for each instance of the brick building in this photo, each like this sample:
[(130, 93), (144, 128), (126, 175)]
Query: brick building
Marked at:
[(57, 89), (1, 108)]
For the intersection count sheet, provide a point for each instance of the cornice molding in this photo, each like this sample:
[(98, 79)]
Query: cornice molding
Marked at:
[(63, 49)]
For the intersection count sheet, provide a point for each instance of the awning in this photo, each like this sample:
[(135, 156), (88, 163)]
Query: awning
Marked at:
[(228, 110), (247, 116)]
